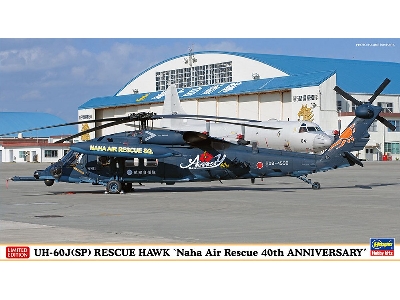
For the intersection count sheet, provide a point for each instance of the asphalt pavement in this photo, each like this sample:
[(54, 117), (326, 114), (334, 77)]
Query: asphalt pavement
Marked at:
[(353, 205)]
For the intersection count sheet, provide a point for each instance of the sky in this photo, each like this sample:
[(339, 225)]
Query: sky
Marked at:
[(56, 58), (58, 75)]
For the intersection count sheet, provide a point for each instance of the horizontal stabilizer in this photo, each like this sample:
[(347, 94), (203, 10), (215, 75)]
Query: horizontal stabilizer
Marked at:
[(352, 159)]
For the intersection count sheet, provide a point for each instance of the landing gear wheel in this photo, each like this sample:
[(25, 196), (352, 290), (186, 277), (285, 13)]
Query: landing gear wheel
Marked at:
[(316, 186), (114, 187), (127, 187), (49, 182)]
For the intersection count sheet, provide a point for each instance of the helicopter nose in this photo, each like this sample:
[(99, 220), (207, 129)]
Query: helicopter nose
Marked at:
[(321, 142), (56, 171)]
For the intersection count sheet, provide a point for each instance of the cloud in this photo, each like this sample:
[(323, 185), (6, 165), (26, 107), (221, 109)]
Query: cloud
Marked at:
[(79, 72), (32, 95), (224, 45)]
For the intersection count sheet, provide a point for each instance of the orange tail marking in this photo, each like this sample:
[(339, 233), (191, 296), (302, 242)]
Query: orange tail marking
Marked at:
[(345, 137)]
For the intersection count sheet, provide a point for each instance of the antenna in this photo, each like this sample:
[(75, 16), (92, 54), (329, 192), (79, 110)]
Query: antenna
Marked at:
[(190, 60)]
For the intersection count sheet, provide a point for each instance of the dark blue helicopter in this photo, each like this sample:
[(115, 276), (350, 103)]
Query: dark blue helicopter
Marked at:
[(166, 156)]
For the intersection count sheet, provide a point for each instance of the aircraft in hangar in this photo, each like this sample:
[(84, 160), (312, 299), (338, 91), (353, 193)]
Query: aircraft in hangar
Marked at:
[(118, 160), (298, 136)]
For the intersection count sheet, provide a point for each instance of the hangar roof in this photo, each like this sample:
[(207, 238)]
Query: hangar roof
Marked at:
[(353, 76), (230, 88), (14, 121)]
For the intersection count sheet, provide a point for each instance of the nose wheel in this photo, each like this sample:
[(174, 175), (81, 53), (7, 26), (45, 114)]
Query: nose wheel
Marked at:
[(314, 185), (49, 182)]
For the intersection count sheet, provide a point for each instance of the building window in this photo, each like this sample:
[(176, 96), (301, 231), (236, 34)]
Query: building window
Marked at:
[(387, 107), (393, 148), (50, 153), (373, 127), (195, 76), (395, 123), (339, 105), (21, 154)]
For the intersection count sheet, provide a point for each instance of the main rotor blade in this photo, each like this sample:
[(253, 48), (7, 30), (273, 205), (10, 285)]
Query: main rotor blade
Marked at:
[(379, 90), (62, 125), (246, 124), (386, 123), (347, 96), (215, 119), (204, 117), (120, 121)]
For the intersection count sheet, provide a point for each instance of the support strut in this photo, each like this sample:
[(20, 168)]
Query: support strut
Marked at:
[(315, 185)]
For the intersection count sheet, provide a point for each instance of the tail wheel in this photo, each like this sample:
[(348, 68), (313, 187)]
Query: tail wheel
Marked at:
[(316, 186), (114, 187)]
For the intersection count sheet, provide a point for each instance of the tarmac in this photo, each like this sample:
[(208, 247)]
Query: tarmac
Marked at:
[(353, 205)]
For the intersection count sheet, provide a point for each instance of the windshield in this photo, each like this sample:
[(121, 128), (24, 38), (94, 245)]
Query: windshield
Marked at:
[(305, 128), (70, 157), (313, 129)]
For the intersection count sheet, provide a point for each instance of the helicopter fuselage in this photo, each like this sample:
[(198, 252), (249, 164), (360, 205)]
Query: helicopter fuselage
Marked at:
[(143, 157)]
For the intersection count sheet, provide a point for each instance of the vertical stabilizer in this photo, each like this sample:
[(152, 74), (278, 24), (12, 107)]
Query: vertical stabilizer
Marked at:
[(172, 106)]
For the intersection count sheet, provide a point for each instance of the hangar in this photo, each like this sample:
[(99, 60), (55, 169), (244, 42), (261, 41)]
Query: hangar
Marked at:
[(32, 146), (261, 87)]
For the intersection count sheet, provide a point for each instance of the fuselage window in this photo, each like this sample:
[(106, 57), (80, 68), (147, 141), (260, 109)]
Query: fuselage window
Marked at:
[(132, 162), (104, 160), (150, 162)]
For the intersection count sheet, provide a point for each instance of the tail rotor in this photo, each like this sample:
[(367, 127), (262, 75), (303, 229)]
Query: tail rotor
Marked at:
[(363, 108)]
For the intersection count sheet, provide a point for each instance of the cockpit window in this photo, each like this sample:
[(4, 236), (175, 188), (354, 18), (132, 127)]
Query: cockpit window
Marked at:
[(71, 157), (312, 128), (304, 128)]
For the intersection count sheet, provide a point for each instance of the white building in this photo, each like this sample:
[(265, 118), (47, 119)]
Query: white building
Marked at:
[(261, 87), (19, 145), (32, 150)]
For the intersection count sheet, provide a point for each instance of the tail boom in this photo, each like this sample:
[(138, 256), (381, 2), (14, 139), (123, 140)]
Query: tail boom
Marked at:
[(354, 138)]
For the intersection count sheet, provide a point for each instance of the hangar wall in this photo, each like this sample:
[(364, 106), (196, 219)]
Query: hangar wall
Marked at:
[(287, 105), (242, 70)]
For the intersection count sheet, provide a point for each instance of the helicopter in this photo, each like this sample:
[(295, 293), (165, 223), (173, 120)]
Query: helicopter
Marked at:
[(298, 136), (116, 161)]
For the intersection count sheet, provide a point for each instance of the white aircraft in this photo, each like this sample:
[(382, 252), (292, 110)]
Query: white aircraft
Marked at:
[(299, 136)]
